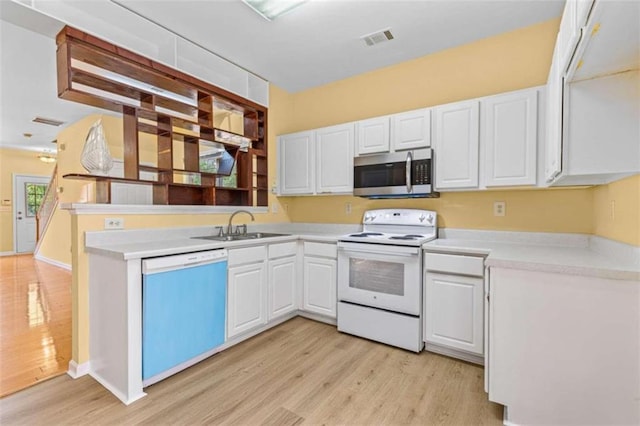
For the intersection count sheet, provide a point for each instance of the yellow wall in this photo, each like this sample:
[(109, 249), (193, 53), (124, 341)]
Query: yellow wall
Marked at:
[(502, 63), (18, 162), (620, 222), (526, 210), (509, 61)]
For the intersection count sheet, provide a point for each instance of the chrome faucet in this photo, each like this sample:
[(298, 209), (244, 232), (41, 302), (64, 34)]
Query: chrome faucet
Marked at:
[(229, 227)]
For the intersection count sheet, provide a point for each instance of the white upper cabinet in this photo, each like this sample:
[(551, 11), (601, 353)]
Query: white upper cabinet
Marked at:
[(509, 138), (317, 161), (334, 159), (593, 106), (295, 153), (373, 135), (456, 141), (411, 130)]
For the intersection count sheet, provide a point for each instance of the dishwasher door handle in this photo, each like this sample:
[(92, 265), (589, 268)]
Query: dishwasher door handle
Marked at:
[(170, 263)]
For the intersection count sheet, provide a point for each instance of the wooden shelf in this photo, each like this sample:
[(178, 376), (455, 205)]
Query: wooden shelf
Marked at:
[(175, 110)]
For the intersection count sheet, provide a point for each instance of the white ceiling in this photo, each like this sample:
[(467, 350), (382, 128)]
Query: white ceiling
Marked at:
[(319, 42), (28, 89), (313, 45)]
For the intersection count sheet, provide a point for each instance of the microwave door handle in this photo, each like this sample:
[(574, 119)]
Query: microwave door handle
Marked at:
[(408, 173)]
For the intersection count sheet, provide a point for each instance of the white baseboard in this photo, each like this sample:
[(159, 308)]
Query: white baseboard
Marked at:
[(7, 253), (465, 356), (78, 370), (122, 397), (52, 262), (317, 317)]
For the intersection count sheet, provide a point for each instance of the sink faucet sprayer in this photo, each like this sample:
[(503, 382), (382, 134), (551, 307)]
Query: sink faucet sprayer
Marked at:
[(229, 227)]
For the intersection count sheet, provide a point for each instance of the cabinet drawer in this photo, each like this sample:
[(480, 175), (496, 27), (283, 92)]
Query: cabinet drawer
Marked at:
[(247, 255), (282, 249), (454, 264), (321, 249)]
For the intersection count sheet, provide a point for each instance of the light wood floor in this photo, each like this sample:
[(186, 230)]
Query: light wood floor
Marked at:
[(301, 372), (35, 322)]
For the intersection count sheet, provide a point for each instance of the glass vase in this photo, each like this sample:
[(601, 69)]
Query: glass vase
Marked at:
[(96, 157)]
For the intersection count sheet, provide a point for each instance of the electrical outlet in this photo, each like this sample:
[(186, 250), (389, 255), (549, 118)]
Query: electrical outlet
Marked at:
[(113, 223), (499, 208), (274, 208), (347, 208), (286, 208)]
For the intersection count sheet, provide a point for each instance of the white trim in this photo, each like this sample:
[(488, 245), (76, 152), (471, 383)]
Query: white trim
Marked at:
[(505, 418), (53, 262), (7, 253), (78, 370), (122, 397), (453, 353), (317, 317), (85, 208)]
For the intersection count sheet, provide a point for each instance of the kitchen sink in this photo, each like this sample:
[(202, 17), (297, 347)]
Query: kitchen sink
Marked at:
[(239, 237)]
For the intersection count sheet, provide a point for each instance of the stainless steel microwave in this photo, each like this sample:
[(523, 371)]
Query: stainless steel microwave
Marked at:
[(405, 174)]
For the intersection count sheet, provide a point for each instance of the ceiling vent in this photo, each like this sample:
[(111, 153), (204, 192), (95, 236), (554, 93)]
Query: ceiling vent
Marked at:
[(378, 37), (49, 121)]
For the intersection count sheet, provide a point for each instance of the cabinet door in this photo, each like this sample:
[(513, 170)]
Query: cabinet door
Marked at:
[(553, 124), (373, 135), (454, 311), (282, 286), (456, 145), (319, 295), (411, 129), (334, 159), (246, 301), (509, 138), (295, 153), (568, 35)]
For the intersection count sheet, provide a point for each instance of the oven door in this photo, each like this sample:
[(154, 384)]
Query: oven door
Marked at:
[(380, 276)]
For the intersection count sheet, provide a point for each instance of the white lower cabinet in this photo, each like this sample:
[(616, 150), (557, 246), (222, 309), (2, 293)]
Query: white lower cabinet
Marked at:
[(282, 280), (454, 305), (246, 290), (320, 279), (454, 311)]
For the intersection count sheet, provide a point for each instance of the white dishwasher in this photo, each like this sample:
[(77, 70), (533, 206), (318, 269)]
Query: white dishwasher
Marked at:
[(183, 311)]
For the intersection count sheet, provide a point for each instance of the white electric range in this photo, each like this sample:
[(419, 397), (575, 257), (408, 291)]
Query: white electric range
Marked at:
[(380, 276)]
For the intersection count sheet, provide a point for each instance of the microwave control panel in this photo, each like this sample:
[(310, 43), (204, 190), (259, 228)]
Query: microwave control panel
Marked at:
[(421, 172)]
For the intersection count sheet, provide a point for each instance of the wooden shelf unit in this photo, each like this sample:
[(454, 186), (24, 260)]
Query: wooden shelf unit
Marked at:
[(176, 113)]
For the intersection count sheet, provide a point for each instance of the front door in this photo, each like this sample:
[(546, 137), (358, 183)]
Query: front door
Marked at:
[(29, 192)]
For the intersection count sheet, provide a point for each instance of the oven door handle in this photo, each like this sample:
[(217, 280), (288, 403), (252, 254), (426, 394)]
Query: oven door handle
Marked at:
[(408, 173), (374, 251)]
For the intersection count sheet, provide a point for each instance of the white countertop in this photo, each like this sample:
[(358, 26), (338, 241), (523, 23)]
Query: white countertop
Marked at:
[(138, 244), (572, 258), (560, 253)]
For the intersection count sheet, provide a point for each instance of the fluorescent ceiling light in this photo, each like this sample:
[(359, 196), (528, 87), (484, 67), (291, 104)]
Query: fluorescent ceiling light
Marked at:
[(271, 9)]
